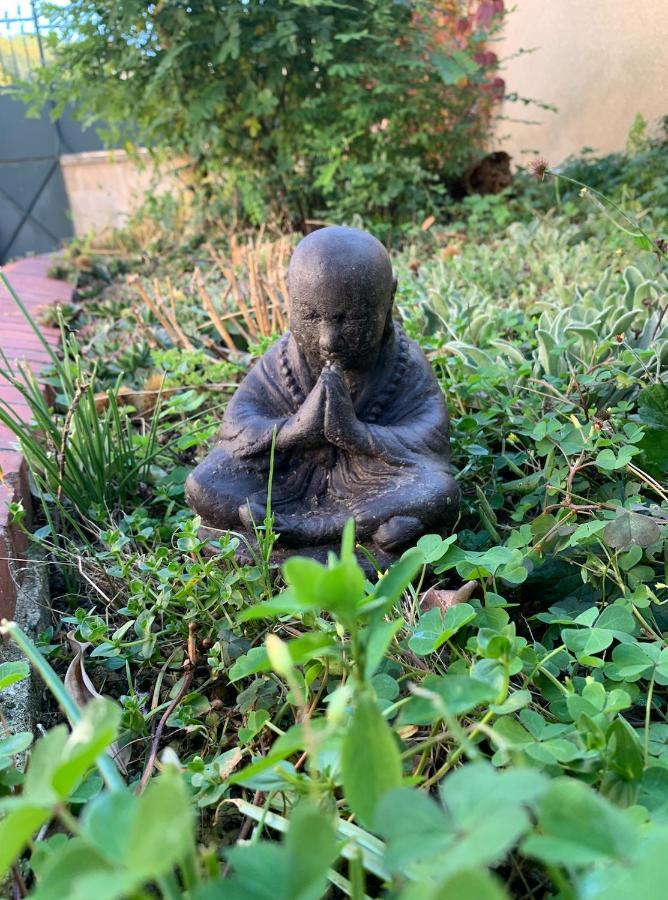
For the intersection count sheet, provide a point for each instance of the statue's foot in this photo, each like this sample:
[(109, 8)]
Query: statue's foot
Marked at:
[(252, 514), (295, 530), (397, 532)]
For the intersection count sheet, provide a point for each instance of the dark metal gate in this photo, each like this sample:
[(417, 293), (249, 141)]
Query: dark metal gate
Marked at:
[(34, 209)]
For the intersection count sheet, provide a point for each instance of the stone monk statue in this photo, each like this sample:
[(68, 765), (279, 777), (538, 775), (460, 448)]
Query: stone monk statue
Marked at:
[(361, 424)]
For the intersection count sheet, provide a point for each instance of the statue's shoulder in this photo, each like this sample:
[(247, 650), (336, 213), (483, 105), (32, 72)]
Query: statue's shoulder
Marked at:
[(412, 353), (418, 374), (269, 364)]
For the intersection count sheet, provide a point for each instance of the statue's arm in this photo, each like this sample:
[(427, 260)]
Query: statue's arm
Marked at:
[(260, 407), (423, 433)]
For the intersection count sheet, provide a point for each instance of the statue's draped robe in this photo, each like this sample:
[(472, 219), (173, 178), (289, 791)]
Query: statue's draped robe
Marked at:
[(403, 458)]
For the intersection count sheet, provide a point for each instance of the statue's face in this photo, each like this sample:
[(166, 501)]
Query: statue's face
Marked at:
[(341, 293), (334, 324)]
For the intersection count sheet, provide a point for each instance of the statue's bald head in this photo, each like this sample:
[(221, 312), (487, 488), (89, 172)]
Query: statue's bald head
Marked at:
[(341, 291)]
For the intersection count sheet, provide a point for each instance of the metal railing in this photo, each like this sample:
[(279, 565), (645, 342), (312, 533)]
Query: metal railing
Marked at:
[(21, 49)]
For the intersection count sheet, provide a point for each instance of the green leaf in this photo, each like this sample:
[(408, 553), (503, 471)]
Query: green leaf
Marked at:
[(434, 629), (629, 529), (654, 447), (287, 744), (426, 632), (15, 743), (45, 758), (348, 541), (454, 67), (474, 790), (260, 873), (91, 736), (585, 531), (514, 573), (370, 762), (653, 411), (485, 814), (479, 565), (471, 884), (625, 754), (341, 589), (587, 641), (433, 546), (310, 645), (554, 750), (617, 618), (629, 663), (161, 833), (256, 660), (301, 649), (653, 406), (516, 701), (579, 828), (653, 792), (606, 460), (640, 875), (285, 603), (377, 638), (107, 822), (304, 576), (77, 871), (16, 829), (385, 687), (459, 694), (311, 846), (255, 722), (414, 827), (11, 672), (456, 617)]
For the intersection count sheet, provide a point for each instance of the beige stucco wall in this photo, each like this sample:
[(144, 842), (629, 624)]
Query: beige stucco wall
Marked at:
[(599, 61), (105, 187)]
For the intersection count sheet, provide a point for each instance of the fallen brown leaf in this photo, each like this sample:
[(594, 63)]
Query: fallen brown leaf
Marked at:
[(407, 731), (438, 599), (450, 250), (83, 691), (231, 764)]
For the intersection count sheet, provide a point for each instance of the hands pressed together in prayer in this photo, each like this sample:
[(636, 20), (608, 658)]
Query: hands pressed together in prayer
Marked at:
[(326, 416)]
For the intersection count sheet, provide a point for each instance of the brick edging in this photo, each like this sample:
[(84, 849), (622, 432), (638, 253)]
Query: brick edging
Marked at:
[(28, 277)]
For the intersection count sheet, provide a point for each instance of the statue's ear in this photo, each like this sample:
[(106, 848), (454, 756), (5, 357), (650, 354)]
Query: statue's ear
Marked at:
[(394, 286)]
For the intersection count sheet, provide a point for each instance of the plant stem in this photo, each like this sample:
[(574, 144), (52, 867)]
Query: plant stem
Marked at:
[(560, 880), (648, 713), (452, 759)]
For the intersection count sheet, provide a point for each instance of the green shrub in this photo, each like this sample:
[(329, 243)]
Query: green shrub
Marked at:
[(288, 109)]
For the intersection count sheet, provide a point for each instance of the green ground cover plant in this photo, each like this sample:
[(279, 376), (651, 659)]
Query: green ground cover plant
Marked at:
[(315, 732)]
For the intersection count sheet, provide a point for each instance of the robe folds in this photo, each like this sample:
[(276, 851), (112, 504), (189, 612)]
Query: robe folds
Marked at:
[(398, 466)]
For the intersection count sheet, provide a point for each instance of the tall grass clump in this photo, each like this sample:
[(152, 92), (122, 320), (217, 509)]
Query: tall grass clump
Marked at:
[(84, 455)]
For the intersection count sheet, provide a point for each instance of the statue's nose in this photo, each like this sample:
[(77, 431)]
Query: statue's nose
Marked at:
[(329, 340)]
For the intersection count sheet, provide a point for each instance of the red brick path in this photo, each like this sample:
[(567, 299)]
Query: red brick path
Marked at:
[(28, 277)]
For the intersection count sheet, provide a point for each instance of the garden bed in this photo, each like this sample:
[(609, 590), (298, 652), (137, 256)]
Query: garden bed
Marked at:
[(404, 748)]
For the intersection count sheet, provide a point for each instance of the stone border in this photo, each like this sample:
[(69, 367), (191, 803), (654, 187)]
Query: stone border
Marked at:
[(28, 277)]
